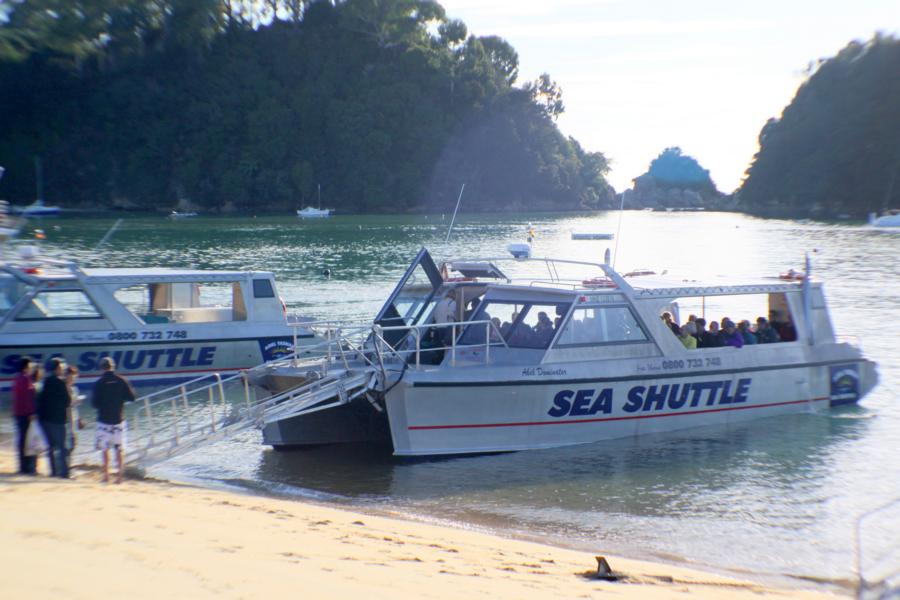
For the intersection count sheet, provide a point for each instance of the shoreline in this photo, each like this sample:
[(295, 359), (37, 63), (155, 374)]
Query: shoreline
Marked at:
[(151, 536), (775, 580)]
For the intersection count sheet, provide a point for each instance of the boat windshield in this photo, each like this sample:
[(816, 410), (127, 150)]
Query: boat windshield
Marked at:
[(11, 291), (411, 298)]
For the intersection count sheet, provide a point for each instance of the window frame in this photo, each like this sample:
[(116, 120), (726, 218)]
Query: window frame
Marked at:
[(523, 312), (628, 307), (49, 290)]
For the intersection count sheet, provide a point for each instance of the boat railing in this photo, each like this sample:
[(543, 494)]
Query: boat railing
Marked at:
[(168, 421), (492, 337)]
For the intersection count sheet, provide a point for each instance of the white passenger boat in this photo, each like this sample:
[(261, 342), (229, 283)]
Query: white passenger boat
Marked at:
[(889, 219), (182, 215), (160, 325), (548, 359)]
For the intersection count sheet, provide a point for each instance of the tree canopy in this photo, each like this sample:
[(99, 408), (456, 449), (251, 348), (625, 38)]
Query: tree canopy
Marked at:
[(672, 168), (836, 148), (249, 105)]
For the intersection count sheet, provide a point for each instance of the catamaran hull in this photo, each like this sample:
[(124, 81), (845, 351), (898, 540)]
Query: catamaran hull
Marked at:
[(154, 363), (432, 417)]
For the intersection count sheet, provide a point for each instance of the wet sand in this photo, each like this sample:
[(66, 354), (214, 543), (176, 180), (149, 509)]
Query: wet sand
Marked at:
[(149, 539)]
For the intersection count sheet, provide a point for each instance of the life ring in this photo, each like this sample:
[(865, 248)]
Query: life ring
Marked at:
[(599, 282)]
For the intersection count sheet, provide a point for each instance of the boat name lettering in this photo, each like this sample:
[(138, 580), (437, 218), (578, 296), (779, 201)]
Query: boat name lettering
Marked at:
[(541, 372), (127, 360), (151, 359), (641, 398), (147, 335)]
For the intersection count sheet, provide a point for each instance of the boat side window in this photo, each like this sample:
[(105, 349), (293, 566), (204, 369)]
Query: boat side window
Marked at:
[(520, 325), (11, 291), (202, 302), (262, 288), (592, 325), (59, 304)]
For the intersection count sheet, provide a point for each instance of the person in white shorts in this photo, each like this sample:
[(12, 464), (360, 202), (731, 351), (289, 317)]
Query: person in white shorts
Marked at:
[(111, 392)]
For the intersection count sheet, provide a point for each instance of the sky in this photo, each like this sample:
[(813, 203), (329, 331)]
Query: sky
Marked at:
[(638, 76)]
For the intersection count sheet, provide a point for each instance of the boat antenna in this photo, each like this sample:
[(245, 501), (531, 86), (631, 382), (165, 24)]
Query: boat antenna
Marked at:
[(618, 229), (108, 235), (458, 200)]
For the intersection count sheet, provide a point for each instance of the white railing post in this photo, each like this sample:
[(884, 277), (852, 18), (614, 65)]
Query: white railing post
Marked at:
[(340, 338), (453, 345), (296, 351), (149, 420), (175, 418), (487, 345), (212, 409), (418, 345), (187, 413), (222, 394)]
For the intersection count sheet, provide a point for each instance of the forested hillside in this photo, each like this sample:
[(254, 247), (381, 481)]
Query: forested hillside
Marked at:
[(248, 106), (836, 148)]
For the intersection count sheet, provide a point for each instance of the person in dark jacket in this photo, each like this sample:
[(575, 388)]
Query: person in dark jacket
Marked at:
[(53, 404), (24, 412), (111, 392)]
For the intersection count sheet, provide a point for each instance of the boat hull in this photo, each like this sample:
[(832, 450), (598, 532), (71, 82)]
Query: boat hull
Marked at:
[(433, 417), (154, 363)]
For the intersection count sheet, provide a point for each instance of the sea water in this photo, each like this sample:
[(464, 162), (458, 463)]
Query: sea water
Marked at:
[(771, 498)]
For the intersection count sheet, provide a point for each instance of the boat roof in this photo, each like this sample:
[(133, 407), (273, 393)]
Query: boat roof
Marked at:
[(59, 271), (603, 279)]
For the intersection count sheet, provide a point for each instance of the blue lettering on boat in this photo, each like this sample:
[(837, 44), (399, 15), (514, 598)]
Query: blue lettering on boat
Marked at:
[(640, 398)]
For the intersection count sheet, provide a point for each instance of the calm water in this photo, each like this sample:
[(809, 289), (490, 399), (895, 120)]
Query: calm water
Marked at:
[(770, 498)]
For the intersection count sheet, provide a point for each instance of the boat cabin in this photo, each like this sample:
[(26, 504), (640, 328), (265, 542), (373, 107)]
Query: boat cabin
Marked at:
[(63, 297), (499, 320)]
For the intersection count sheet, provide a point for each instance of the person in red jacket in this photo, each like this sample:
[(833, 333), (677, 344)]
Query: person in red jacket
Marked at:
[(24, 411)]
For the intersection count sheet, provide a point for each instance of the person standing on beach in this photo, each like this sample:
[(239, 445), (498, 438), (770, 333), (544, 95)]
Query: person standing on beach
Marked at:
[(111, 392), (53, 404), (23, 410)]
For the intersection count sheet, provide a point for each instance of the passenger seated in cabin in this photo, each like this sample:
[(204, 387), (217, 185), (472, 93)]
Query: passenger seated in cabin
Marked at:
[(560, 313), (667, 318), (700, 324), (445, 311), (687, 336), (544, 329), (730, 335), (507, 325), (713, 337), (746, 333), (785, 329), (473, 308), (496, 330), (764, 332)]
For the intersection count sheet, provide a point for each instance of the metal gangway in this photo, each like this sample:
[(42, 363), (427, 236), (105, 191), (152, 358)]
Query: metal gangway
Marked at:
[(347, 365)]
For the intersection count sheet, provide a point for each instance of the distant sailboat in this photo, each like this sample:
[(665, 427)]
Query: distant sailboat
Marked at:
[(315, 213), (37, 208)]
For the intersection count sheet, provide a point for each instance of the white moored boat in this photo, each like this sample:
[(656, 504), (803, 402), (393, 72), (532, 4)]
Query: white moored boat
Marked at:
[(546, 361), (314, 213), (890, 218), (160, 325)]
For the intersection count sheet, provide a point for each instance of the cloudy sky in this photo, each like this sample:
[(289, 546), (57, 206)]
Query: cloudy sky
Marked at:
[(640, 75)]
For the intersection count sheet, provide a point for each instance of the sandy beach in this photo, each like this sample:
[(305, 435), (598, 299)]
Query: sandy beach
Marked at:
[(148, 539)]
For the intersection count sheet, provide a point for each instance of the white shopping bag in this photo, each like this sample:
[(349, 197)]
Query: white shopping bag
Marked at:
[(35, 442)]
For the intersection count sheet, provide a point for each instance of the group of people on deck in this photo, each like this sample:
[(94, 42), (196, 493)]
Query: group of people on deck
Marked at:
[(695, 334)]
